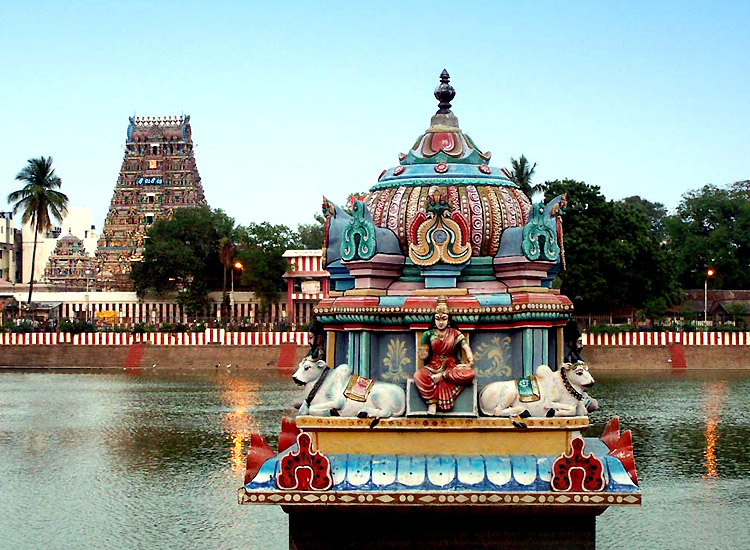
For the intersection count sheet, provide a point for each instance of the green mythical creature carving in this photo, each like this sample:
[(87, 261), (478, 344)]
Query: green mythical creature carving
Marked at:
[(398, 361), (358, 241), (492, 359), (540, 235)]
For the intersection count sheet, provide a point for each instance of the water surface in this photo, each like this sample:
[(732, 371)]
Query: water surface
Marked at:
[(112, 459)]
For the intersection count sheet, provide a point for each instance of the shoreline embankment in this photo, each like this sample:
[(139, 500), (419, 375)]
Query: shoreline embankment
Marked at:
[(643, 351)]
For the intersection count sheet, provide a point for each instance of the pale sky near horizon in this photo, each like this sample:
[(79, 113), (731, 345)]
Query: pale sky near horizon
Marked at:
[(290, 101)]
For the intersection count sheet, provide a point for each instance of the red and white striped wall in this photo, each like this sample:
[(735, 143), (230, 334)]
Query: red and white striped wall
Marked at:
[(210, 336), (307, 296), (666, 338), (305, 260)]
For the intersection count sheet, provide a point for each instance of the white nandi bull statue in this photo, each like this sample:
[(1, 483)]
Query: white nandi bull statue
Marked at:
[(336, 392), (560, 393)]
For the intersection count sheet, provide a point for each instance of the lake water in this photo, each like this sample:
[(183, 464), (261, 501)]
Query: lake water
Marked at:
[(111, 459)]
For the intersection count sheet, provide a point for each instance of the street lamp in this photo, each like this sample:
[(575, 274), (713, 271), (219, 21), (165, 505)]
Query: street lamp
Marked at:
[(709, 273), (88, 302), (237, 265)]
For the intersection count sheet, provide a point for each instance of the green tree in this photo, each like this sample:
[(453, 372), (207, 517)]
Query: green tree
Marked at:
[(654, 211), (614, 258), (310, 235), (40, 201), (261, 248), (182, 255), (520, 173), (711, 228)]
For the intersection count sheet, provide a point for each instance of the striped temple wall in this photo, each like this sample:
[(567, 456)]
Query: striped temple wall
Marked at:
[(210, 336), (667, 338), (308, 263), (231, 338)]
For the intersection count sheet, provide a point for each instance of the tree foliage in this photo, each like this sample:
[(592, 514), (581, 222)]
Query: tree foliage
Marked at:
[(614, 256), (182, 255), (520, 173), (261, 248), (711, 229), (310, 235), (40, 201), (655, 212)]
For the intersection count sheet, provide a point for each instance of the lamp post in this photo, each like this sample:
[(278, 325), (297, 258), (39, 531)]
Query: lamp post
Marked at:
[(709, 273), (237, 265), (88, 303)]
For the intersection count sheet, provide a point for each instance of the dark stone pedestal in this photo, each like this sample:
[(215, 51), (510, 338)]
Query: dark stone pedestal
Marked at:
[(469, 528)]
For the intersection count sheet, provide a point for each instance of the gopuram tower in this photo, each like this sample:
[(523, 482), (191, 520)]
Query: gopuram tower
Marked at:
[(158, 174)]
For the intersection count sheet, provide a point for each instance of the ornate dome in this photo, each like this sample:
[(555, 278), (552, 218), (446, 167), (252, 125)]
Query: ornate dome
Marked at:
[(444, 163)]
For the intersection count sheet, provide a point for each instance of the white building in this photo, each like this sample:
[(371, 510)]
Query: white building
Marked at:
[(8, 263)]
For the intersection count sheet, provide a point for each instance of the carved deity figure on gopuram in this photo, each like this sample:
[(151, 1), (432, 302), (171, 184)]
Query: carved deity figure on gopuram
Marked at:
[(158, 174), (444, 391), (443, 377)]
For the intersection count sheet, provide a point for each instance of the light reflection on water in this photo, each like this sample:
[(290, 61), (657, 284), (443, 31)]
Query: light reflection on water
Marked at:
[(712, 404), (111, 460)]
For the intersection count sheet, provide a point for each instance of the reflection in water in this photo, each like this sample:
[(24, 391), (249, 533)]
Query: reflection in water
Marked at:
[(712, 407), (241, 395), (154, 461)]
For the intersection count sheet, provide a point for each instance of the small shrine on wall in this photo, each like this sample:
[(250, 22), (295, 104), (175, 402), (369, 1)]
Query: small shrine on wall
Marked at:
[(438, 409), (158, 174), (70, 267)]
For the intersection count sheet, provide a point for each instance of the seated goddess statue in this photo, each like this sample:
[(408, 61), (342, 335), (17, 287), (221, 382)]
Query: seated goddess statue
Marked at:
[(443, 377)]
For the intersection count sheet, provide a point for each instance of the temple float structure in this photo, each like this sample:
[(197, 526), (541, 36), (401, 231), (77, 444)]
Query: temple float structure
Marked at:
[(437, 410)]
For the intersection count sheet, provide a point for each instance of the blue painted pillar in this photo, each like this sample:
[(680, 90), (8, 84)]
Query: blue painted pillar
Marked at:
[(364, 354), (528, 351)]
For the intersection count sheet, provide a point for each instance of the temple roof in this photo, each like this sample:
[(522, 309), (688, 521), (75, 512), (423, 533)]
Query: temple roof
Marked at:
[(443, 152), (445, 166)]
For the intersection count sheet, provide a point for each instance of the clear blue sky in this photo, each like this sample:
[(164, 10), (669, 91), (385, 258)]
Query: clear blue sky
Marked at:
[(293, 100)]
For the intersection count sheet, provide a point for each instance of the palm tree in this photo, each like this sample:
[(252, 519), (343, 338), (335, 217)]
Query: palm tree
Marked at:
[(39, 200), (521, 173)]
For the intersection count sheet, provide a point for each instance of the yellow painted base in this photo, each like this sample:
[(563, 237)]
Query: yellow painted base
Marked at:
[(365, 292), (441, 291), (450, 436)]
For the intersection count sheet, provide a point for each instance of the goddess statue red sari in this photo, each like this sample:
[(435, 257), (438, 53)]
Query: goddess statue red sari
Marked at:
[(442, 359)]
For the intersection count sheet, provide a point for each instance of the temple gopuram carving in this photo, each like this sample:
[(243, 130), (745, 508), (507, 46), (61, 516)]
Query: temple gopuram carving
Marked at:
[(438, 408), (70, 267), (158, 174)]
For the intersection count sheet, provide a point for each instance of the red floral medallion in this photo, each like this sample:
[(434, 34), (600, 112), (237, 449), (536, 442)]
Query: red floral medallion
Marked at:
[(398, 170), (441, 168), (484, 169), (577, 472), (304, 469)]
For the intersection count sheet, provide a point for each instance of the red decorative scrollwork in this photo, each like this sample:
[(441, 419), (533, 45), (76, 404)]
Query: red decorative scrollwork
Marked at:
[(257, 454), (620, 446), (304, 469), (577, 472), (289, 433)]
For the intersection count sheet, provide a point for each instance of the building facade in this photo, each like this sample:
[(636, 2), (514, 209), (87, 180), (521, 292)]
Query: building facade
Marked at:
[(10, 249), (307, 284), (158, 174)]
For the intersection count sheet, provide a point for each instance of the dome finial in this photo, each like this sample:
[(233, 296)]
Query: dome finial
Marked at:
[(444, 93)]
